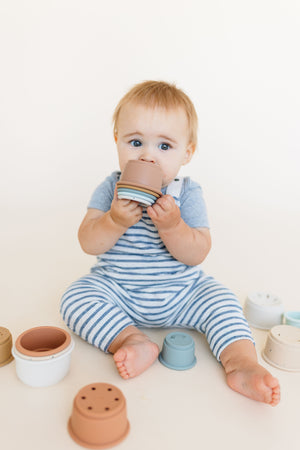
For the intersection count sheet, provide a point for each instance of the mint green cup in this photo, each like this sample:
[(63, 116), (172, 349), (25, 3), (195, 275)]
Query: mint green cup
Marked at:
[(292, 318)]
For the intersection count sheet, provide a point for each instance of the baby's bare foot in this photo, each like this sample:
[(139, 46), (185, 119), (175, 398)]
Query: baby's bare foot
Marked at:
[(255, 382), (135, 355)]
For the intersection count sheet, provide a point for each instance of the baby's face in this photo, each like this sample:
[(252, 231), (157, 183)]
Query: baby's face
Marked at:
[(155, 135)]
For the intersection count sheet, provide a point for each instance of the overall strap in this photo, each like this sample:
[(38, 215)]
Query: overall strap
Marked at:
[(174, 189)]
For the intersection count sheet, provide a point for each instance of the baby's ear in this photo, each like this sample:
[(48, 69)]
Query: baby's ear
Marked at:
[(189, 152)]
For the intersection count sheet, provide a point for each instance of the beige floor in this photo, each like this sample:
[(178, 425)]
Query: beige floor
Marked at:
[(166, 409)]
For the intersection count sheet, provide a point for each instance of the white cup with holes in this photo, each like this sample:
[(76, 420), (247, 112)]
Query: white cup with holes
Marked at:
[(263, 310)]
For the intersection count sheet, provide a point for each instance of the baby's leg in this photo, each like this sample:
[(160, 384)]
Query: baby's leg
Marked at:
[(215, 311), (133, 352), (90, 308), (246, 376)]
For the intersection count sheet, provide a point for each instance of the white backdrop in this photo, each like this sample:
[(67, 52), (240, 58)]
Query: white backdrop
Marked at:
[(64, 66)]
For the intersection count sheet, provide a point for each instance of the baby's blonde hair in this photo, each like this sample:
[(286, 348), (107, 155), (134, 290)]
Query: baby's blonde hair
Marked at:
[(163, 95)]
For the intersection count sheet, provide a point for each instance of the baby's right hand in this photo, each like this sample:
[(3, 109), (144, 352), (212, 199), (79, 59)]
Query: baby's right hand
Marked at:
[(125, 212)]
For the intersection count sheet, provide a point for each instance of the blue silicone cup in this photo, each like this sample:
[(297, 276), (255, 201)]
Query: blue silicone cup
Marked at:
[(141, 200), (134, 191), (178, 351), (292, 318), (139, 196), (136, 195)]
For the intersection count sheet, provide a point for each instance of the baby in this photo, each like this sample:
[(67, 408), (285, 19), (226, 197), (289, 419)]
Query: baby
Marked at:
[(148, 271)]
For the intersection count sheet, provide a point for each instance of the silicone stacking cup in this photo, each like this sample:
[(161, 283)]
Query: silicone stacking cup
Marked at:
[(132, 194), (263, 310), (142, 174), (99, 418), (178, 351), (43, 355), (282, 348), (5, 346), (292, 318)]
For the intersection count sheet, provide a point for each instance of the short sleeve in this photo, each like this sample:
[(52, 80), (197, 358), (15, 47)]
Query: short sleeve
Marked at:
[(192, 205), (104, 193)]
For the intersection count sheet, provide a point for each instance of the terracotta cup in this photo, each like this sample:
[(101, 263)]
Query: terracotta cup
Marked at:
[(142, 174), (282, 348), (43, 355), (5, 346), (99, 418)]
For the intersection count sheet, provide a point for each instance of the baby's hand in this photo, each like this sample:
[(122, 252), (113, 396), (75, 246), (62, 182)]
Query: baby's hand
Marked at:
[(165, 214), (125, 212)]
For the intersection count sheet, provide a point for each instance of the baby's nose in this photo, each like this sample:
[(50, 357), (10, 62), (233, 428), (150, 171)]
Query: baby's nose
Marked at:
[(147, 157)]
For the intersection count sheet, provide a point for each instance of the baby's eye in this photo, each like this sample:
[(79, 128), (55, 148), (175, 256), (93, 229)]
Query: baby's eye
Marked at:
[(135, 143), (164, 146)]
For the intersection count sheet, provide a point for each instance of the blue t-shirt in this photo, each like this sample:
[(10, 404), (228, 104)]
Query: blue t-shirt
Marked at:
[(192, 205)]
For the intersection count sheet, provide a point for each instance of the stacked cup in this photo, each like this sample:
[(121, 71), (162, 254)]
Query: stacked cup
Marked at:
[(140, 181), (43, 355)]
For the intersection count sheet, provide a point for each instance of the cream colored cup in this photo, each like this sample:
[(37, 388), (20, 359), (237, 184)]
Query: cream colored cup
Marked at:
[(282, 348)]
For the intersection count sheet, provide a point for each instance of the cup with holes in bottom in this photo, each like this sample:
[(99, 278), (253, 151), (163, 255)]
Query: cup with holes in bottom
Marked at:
[(282, 348), (178, 351), (99, 416)]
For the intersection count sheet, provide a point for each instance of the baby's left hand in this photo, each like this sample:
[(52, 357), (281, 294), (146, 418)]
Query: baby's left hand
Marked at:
[(165, 214)]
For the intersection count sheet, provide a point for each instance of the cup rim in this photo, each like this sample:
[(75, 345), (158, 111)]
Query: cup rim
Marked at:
[(22, 357), (25, 352), (96, 446), (7, 361), (277, 366), (175, 367)]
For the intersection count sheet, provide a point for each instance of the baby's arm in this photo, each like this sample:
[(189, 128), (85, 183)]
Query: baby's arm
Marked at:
[(99, 230), (186, 244)]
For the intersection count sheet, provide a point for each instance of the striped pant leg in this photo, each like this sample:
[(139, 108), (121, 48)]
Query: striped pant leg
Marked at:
[(216, 312), (90, 309)]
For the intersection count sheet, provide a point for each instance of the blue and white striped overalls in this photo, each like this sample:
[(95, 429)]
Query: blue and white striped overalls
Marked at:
[(139, 283)]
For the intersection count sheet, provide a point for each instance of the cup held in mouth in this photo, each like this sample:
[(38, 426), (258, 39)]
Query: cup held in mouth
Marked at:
[(143, 174)]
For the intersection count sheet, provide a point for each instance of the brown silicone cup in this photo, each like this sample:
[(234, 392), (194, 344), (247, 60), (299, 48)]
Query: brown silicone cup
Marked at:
[(43, 341), (137, 188), (142, 174), (99, 418), (5, 347)]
